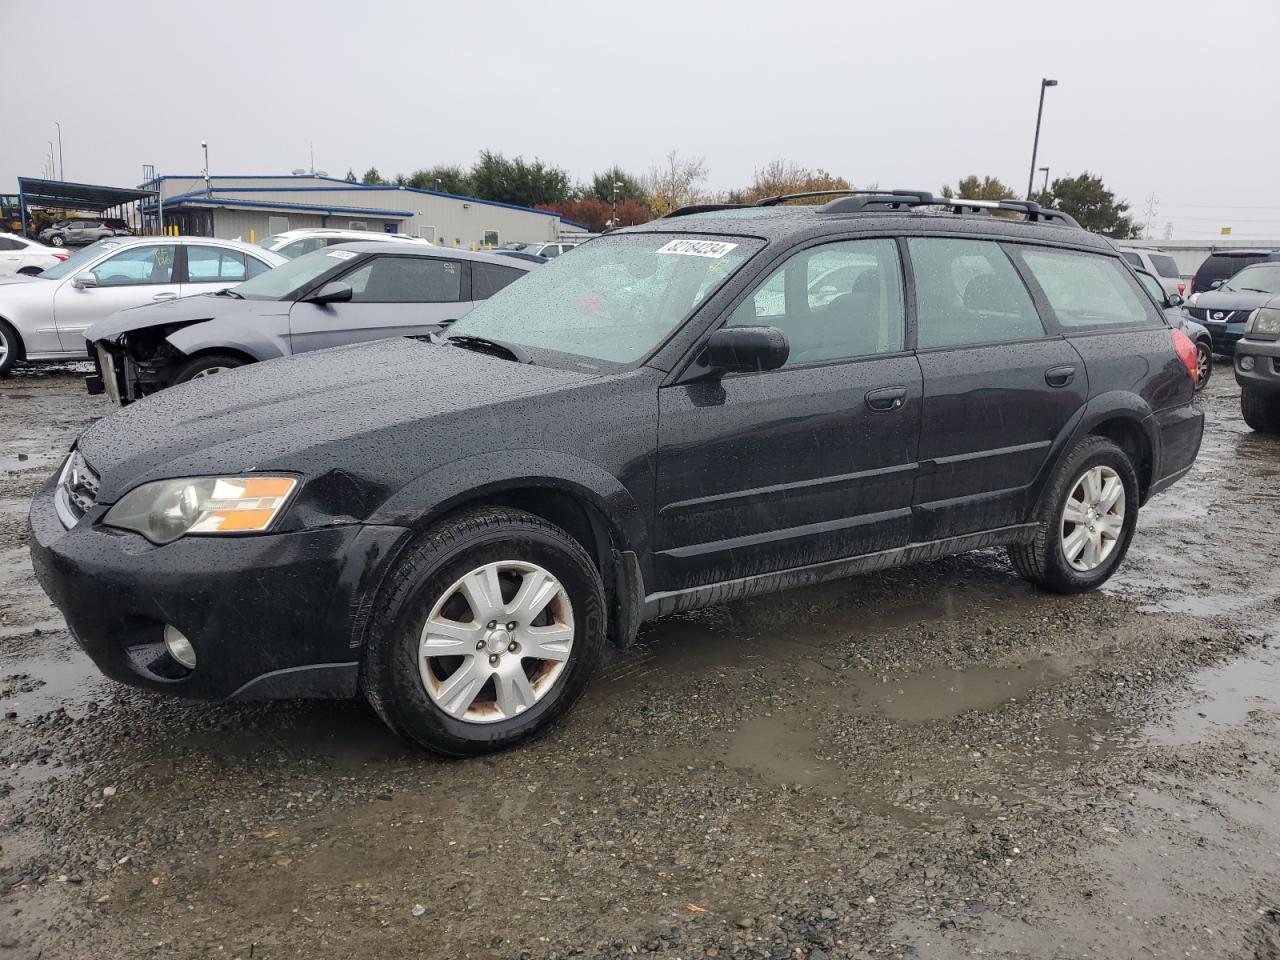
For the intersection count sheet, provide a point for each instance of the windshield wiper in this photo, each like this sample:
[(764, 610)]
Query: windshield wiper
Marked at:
[(1250, 290), (229, 293), (485, 345)]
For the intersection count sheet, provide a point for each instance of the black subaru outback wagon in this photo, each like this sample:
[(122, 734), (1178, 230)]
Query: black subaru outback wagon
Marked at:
[(727, 401)]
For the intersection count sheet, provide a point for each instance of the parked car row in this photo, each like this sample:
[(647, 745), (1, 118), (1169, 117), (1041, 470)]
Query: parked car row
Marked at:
[(676, 415), (81, 232)]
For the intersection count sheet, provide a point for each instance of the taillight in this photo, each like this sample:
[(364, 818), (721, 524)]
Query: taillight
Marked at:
[(1182, 288), (1186, 351), (1193, 283), (61, 256)]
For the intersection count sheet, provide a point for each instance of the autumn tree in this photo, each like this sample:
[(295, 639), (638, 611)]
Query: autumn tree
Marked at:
[(1092, 205), (780, 177), (674, 183)]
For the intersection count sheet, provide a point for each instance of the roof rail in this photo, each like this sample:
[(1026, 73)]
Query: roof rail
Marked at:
[(899, 199), (702, 208)]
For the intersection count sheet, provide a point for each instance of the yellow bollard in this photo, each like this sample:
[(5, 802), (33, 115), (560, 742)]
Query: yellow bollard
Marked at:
[(252, 236)]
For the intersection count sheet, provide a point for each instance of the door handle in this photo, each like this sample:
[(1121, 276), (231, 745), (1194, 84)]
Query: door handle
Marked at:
[(886, 398), (165, 296), (1060, 376)]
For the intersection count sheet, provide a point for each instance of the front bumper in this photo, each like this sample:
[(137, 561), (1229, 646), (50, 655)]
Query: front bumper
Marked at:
[(1265, 375), (1224, 336), (275, 615)]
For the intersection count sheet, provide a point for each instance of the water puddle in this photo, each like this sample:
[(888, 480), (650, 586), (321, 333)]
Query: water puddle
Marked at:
[(938, 694), (1224, 697)]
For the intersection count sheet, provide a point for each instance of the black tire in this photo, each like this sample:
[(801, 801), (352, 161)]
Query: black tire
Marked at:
[(390, 675), (203, 365), (30, 271), (10, 348), (1042, 561), (1261, 411), (1204, 363)]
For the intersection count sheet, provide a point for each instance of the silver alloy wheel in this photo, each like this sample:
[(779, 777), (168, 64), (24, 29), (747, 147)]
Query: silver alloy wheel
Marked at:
[(209, 372), (496, 641), (1204, 364), (4, 348), (1093, 518)]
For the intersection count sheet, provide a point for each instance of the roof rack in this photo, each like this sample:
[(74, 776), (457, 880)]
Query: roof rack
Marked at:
[(907, 199), (857, 201)]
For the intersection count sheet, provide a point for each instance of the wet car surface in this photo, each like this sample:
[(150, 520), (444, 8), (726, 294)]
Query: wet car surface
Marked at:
[(929, 761)]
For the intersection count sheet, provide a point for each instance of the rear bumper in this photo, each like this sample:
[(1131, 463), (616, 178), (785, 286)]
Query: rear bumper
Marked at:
[(275, 615), (1265, 375), (1180, 430)]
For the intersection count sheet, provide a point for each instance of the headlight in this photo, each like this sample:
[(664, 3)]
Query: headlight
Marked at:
[(168, 509), (1264, 322)]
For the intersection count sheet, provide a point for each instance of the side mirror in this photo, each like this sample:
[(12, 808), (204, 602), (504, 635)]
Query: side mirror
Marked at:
[(335, 291), (1216, 284), (1174, 300), (84, 281), (746, 348)]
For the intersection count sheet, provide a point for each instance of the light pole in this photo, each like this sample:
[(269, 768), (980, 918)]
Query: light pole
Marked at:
[(1045, 171), (1035, 146), (62, 171), (613, 213), (204, 144)]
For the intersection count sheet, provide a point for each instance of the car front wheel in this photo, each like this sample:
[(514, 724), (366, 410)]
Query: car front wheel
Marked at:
[(208, 365), (1086, 520), (57, 240), (488, 631), (1261, 411), (8, 348)]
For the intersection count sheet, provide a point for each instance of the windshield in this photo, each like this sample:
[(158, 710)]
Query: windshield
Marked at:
[(614, 300), (280, 282), (1259, 278), (77, 261)]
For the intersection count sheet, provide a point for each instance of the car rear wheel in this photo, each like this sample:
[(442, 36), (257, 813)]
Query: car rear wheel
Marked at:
[(1204, 364), (10, 348), (209, 365), (487, 632), (1261, 411), (1086, 520)]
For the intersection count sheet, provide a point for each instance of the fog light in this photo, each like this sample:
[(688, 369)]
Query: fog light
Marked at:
[(1246, 364), (179, 647)]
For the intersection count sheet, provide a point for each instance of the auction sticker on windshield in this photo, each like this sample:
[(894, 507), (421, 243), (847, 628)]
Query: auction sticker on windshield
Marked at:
[(698, 248)]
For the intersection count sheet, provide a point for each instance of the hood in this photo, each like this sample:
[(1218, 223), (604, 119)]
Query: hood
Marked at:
[(19, 284), (1229, 300), (204, 306), (384, 404)]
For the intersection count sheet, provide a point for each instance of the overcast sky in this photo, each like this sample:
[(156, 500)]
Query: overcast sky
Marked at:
[(1172, 99)]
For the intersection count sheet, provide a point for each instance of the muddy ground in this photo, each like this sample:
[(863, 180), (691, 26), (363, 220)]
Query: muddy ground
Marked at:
[(929, 762)]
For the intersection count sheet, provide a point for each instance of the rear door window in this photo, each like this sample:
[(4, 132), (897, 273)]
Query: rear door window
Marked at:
[(1087, 290), (406, 280), (214, 265), (1165, 265), (967, 292)]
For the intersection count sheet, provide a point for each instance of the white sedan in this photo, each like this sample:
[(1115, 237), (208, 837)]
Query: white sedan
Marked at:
[(20, 255), (44, 317)]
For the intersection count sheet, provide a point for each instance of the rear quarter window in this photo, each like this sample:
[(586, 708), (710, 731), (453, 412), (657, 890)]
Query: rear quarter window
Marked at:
[(1086, 290), (1133, 258), (1165, 265)]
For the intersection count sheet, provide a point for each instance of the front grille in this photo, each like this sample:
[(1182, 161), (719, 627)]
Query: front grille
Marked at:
[(1200, 315), (77, 487)]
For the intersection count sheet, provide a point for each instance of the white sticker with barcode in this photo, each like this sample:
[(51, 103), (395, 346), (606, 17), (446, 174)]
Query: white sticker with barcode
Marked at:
[(341, 254), (698, 248)]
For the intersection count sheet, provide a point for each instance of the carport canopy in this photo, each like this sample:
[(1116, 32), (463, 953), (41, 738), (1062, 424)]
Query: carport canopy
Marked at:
[(77, 196)]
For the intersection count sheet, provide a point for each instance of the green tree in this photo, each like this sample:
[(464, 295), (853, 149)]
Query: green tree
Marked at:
[(524, 183), (351, 175), (443, 177), (371, 176), (1092, 204), (973, 188), (601, 186)]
